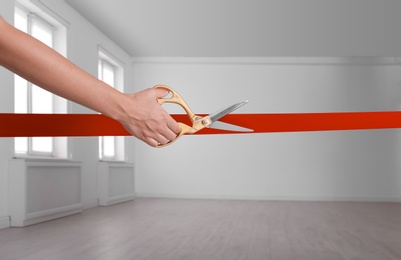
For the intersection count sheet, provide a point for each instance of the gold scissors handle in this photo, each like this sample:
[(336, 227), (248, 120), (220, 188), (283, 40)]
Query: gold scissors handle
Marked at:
[(197, 122)]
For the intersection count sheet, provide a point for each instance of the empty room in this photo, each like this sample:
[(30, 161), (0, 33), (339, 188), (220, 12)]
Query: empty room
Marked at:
[(183, 129)]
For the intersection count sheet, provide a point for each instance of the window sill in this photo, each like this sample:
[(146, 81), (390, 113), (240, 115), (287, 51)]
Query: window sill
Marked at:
[(112, 161), (41, 158)]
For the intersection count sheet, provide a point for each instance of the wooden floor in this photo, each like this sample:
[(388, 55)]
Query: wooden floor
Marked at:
[(214, 229)]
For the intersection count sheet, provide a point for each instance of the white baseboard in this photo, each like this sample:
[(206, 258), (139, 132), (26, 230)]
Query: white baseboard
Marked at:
[(267, 198), (4, 222), (88, 204), (119, 199), (46, 215)]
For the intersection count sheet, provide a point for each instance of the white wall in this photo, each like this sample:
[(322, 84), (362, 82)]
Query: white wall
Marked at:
[(228, 28), (355, 165), (83, 40)]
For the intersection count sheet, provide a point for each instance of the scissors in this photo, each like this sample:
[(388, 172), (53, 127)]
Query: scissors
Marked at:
[(200, 122)]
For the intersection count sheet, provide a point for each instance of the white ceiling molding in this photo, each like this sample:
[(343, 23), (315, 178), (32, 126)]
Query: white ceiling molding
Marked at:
[(273, 60)]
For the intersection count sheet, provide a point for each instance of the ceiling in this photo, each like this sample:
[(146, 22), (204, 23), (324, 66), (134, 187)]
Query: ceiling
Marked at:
[(248, 28)]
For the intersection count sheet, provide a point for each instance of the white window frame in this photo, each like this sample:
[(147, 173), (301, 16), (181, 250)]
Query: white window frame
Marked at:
[(105, 58), (59, 145)]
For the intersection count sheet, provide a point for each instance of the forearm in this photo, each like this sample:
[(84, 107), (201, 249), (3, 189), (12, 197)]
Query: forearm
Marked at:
[(45, 67), (140, 113)]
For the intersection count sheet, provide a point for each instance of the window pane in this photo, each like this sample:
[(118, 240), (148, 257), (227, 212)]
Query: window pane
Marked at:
[(21, 145), (32, 99), (42, 100), (21, 20), (42, 31), (108, 73), (20, 95), (108, 146), (42, 144), (100, 147)]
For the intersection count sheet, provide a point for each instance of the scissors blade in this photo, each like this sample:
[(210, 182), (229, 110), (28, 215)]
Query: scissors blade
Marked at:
[(229, 127), (219, 114)]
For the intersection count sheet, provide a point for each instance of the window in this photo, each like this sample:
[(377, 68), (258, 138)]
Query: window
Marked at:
[(29, 98), (111, 72)]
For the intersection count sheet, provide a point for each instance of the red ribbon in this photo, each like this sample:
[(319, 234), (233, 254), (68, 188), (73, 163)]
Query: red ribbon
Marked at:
[(28, 125)]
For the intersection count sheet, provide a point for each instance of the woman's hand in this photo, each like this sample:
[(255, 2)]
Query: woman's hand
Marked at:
[(145, 119)]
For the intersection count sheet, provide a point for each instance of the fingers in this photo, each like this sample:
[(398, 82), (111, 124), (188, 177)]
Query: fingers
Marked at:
[(169, 133), (159, 132), (160, 139), (173, 126), (151, 142), (148, 120)]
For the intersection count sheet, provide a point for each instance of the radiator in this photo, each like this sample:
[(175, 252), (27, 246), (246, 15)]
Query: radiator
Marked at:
[(43, 190), (115, 183)]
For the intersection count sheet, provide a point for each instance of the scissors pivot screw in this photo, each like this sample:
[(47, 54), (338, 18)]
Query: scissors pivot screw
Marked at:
[(205, 122)]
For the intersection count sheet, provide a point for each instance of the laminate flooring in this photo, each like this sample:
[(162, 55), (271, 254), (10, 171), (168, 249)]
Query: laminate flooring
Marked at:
[(214, 229)]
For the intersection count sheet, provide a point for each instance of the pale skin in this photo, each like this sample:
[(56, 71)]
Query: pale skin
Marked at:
[(139, 113)]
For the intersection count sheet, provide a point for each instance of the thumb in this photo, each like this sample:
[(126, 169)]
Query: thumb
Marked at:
[(161, 92)]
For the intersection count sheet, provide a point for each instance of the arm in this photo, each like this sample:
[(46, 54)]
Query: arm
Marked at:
[(139, 113)]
